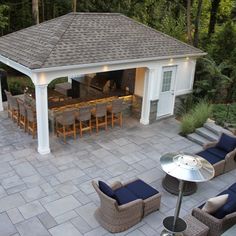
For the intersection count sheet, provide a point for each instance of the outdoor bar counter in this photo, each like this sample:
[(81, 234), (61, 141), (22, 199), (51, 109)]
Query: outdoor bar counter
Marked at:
[(55, 108)]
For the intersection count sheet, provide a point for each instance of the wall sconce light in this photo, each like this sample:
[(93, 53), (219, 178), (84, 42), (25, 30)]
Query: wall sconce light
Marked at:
[(105, 68)]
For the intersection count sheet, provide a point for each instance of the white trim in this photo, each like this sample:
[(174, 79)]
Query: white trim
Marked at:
[(42, 118), (25, 70), (183, 92), (43, 151), (192, 74), (174, 69), (106, 63), (147, 94)]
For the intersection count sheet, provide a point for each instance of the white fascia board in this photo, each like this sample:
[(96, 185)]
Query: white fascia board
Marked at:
[(183, 92), (110, 63), (16, 66)]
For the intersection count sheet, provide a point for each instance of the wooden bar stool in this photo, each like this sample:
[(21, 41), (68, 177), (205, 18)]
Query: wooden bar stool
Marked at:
[(84, 118), (65, 124), (14, 109), (115, 112), (22, 114), (100, 115), (31, 120)]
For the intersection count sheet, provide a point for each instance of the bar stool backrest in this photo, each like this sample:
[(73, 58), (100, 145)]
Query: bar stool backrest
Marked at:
[(31, 114), (21, 107), (8, 94), (67, 118), (117, 105), (14, 103), (84, 113), (101, 109)]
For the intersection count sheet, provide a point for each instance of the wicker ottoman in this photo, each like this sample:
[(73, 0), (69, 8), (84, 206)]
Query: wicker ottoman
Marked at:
[(195, 227)]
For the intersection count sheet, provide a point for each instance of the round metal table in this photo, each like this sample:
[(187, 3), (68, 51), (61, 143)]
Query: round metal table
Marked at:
[(182, 168)]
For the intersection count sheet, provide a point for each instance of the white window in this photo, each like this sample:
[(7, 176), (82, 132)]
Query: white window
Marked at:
[(166, 84)]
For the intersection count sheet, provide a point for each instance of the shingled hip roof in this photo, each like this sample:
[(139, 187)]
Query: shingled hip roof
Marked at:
[(89, 38)]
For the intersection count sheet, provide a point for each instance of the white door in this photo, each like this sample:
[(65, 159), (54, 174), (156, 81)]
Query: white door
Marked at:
[(165, 105)]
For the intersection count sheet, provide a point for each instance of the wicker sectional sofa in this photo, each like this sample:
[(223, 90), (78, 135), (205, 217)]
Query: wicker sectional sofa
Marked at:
[(223, 218), (221, 154)]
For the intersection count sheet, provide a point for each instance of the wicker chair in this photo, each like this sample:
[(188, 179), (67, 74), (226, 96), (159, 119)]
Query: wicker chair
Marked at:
[(31, 120), (223, 218), (100, 115), (84, 119), (9, 110), (117, 218), (115, 112), (223, 165), (65, 124), (22, 114)]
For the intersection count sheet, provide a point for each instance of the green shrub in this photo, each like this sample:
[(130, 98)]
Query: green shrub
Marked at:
[(196, 117), (224, 113), (201, 112), (187, 124), (57, 81), (185, 105), (16, 88)]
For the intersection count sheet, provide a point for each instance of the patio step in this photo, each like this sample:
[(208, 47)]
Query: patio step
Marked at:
[(196, 138), (206, 133), (216, 128)]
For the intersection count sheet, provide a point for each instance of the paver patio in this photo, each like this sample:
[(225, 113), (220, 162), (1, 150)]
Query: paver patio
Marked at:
[(53, 195)]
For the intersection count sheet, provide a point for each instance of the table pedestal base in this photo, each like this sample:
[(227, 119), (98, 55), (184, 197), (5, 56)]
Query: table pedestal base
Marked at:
[(171, 185), (169, 230)]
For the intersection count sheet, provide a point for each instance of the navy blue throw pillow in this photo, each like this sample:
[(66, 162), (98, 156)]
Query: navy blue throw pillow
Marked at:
[(106, 189), (227, 143)]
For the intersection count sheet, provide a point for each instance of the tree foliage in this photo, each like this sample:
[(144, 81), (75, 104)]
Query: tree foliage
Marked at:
[(182, 19), (3, 16)]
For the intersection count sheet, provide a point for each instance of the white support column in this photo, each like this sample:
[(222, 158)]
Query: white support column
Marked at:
[(69, 80), (1, 105), (147, 95), (42, 118)]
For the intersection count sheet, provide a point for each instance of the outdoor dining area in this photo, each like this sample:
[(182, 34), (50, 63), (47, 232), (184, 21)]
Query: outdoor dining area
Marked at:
[(67, 116)]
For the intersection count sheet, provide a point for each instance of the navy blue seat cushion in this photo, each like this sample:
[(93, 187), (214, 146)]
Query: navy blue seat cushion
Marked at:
[(123, 196), (209, 157), (227, 143), (106, 189), (228, 207), (233, 187), (141, 189), (218, 152)]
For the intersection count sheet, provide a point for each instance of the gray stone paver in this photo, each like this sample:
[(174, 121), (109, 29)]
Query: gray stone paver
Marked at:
[(11, 201), (6, 226), (32, 227), (52, 194), (31, 209), (67, 229), (15, 215), (62, 205)]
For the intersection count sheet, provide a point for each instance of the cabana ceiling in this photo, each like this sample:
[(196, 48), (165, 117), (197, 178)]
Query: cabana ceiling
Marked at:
[(89, 38)]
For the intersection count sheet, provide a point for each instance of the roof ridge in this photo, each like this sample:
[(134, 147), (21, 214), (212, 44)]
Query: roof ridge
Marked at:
[(41, 23), (94, 13), (157, 31), (61, 35)]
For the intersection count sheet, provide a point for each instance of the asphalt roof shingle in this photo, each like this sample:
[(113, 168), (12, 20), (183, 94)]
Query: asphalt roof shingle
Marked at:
[(87, 38)]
